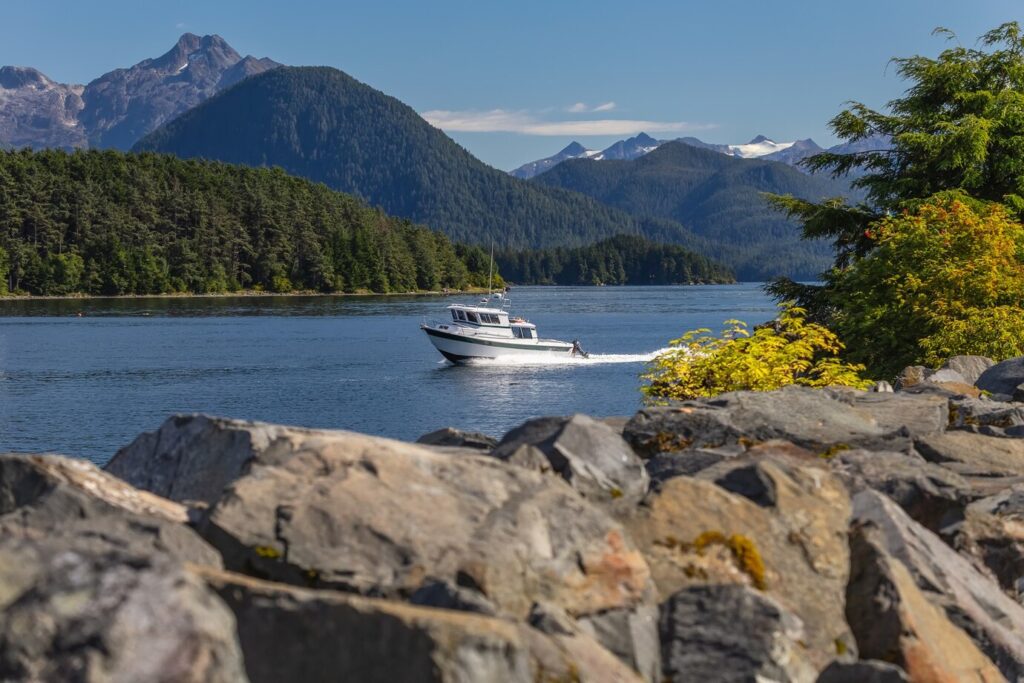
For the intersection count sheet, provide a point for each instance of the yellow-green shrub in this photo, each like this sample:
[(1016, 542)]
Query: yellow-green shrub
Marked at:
[(788, 351)]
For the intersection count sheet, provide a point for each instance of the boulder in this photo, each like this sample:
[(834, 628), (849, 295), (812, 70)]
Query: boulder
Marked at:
[(967, 413), (790, 544), (296, 634), (814, 419), (894, 621), (863, 671), (731, 633), (948, 376), (48, 496), (588, 454), (912, 375), (193, 457), (1003, 378), (70, 612), (971, 600), (385, 518), (932, 495), (992, 533), (457, 438), (969, 367), (665, 466), (974, 455)]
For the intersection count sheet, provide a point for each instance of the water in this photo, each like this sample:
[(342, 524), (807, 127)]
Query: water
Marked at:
[(88, 385)]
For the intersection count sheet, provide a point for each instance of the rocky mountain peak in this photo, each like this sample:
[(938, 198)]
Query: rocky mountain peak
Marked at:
[(759, 139), (12, 77), (573, 149)]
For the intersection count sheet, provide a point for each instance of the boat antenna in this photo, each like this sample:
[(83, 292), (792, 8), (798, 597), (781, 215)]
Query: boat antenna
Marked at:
[(490, 273)]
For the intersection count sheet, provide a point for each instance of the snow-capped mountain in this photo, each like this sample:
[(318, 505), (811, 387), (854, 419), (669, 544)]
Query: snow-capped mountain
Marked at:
[(761, 147), (121, 106)]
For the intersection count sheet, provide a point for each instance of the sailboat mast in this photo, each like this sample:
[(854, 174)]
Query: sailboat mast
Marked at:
[(490, 273)]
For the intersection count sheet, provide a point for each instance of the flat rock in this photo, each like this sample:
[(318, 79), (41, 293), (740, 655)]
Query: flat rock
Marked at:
[(71, 613), (992, 533), (894, 621), (791, 544), (971, 600), (590, 455), (458, 438), (295, 634), (974, 455), (1002, 378), (48, 496), (193, 457), (932, 495), (814, 419), (863, 671), (969, 367), (974, 412), (731, 633)]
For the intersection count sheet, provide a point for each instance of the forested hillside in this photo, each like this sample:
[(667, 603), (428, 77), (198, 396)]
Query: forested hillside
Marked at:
[(621, 260), (718, 197), (115, 223), (322, 124)]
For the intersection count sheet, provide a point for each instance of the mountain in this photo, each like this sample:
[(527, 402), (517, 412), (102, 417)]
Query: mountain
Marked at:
[(717, 196), (121, 106), (573, 150), (796, 152), (322, 124), (629, 149)]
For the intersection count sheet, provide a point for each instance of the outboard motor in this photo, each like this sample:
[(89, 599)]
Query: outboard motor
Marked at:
[(577, 350)]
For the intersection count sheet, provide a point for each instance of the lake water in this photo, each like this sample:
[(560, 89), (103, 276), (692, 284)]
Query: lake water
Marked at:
[(87, 385)]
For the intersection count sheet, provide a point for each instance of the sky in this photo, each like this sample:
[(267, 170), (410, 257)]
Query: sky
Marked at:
[(517, 81)]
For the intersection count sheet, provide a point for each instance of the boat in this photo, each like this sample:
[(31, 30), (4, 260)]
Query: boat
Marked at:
[(486, 331)]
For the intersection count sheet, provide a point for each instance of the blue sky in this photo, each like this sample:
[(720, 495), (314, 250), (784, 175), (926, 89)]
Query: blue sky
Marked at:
[(514, 81)]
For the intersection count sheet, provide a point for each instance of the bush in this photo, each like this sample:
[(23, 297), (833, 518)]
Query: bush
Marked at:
[(789, 350)]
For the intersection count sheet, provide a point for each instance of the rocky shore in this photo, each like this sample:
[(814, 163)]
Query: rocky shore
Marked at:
[(798, 535)]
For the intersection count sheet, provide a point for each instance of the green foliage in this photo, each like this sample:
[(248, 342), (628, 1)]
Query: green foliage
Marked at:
[(788, 351), (322, 124), (622, 260), (944, 278), (719, 197), (114, 223)]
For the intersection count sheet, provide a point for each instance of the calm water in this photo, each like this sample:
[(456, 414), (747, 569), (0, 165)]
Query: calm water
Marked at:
[(88, 385)]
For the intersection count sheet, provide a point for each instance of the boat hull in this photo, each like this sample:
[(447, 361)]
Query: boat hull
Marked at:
[(459, 348)]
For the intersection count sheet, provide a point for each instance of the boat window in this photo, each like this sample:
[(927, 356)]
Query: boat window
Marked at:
[(490, 318), (454, 316), (462, 315), (517, 332), (472, 317)]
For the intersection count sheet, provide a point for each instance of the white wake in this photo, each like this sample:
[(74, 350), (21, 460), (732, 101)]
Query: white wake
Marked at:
[(564, 359)]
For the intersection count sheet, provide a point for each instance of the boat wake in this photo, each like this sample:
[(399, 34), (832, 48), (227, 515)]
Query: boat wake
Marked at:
[(562, 360)]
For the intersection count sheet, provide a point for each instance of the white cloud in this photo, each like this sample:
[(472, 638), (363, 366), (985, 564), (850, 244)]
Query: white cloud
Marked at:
[(607, 106), (505, 121), (577, 108), (180, 24)]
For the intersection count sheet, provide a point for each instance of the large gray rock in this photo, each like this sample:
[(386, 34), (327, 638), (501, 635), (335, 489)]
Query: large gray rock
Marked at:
[(193, 457), (863, 671), (71, 613), (731, 633), (978, 414), (971, 600), (969, 367), (450, 437), (894, 621), (932, 495), (295, 634), (974, 455), (588, 454), (992, 533), (815, 419), (1003, 378), (49, 496), (790, 543)]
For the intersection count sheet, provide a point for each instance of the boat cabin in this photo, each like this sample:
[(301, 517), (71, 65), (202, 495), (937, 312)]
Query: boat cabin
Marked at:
[(491, 321)]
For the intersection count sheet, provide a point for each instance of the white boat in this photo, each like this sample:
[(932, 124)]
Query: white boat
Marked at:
[(487, 332)]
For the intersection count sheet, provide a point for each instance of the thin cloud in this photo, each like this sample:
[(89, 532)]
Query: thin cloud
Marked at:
[(505, 121), (607, 106), (180, 24), (577, 108)]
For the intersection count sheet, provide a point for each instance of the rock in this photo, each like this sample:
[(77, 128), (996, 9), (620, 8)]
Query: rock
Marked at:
[(966, 413), (693, 532), (295, 634), (48, 496), (972, 601), (193, 457), (864, 671), (587, 453), (881, 387), (949, 389), (71, 613), (992, 533), (449, 436), (664, 466), (947, 376), (932, 495), (385, 518), (969, 367), (912, 375), (894, 621), (730, 633), (630, 635), (814, 419), (974, 455), (1002, 378)]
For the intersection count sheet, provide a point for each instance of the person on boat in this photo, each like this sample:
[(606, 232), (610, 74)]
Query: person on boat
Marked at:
[(577, 350)]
